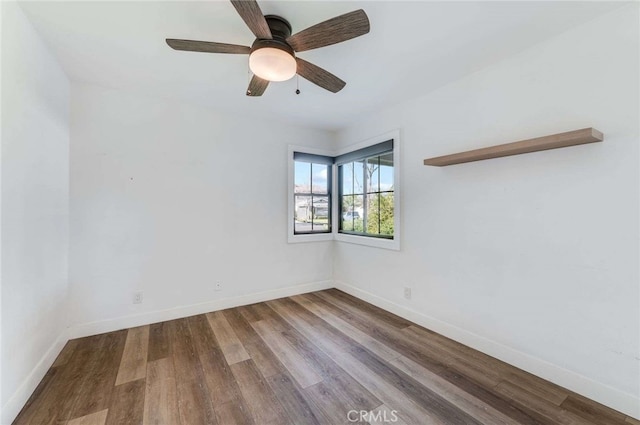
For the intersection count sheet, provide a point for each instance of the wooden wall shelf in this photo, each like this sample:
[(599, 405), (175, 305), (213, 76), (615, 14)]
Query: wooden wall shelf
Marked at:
[(554, 141)]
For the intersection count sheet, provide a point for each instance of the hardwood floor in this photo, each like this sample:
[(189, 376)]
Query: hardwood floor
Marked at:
[(317, 358)]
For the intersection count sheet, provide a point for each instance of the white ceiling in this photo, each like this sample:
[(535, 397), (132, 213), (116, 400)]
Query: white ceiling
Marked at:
[(413, 48)]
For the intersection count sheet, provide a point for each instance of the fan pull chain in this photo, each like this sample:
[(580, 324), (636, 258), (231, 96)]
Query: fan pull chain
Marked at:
[(297, 84)]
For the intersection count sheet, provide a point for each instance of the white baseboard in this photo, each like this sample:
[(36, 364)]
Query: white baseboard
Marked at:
[(19, 398), (618, 400), (110, 325)]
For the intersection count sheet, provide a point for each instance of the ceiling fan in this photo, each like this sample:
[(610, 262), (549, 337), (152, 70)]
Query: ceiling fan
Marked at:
[(272, 57)]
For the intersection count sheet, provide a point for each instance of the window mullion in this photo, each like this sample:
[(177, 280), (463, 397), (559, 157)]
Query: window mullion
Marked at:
[(311, 190), (365, 214), (353, 197), (379, 199)]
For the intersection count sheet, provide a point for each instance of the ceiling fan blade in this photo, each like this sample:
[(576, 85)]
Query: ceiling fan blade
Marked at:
[(335, 30), (257, 86), (319, 76), (207, 46), (250, 12)]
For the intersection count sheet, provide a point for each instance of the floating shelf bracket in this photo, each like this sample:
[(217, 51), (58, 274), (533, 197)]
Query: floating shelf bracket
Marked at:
[(554, 141)]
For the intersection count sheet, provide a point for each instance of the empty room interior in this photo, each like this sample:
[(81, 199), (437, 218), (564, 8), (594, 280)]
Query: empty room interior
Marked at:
[(320, 212)]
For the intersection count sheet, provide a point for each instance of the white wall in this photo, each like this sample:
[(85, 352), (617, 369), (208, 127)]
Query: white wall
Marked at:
[(35, 198), (168, 199), (537, 253)]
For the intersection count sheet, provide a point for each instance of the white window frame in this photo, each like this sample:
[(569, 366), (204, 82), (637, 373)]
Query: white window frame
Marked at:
[(393, 244), (291, 236)]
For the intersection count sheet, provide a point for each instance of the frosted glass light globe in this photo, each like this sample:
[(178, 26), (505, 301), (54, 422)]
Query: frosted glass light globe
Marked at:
[(272, 64)]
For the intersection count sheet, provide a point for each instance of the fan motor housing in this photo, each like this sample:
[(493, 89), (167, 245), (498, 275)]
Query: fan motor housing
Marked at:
[(280, 27), (280, 30)]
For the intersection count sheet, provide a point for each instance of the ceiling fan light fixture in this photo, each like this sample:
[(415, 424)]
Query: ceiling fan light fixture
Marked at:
[(272, 56), (272, 64)]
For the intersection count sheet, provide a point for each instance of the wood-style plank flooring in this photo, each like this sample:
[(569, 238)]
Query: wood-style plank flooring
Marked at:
[(307, 359)]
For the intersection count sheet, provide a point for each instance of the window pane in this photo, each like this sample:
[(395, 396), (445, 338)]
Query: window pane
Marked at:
[(320, 214), (386, 213), (346, 171), (302, 177), (302, 214), (372, 175), (347, 213), (319, 176), (352, 213), (347, 204), (373, 216), (386, 172), (358, 176)]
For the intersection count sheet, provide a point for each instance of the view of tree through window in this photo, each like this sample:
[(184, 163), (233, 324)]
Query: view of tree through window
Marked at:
[(312, 197), (366, 196)]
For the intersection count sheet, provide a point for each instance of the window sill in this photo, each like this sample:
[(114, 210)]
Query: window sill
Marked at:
[(392, 244)]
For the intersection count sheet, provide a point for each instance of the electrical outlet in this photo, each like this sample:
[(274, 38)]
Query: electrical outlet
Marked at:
[(218, 287), (137, 297), (407, 293)]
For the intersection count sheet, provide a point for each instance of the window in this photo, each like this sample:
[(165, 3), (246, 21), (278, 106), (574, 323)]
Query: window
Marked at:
[(352, 195), (312, 193), (366, 191)]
